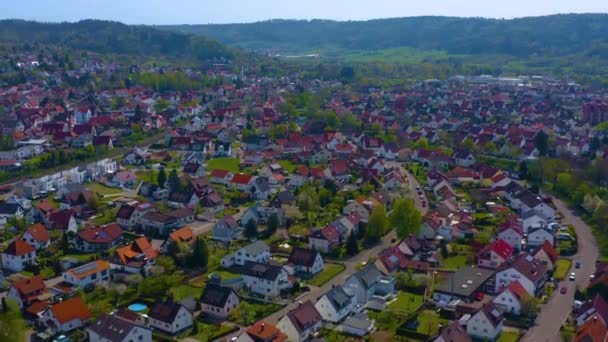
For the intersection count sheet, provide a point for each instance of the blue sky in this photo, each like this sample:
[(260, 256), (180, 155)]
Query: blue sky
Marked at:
[(229, 11)]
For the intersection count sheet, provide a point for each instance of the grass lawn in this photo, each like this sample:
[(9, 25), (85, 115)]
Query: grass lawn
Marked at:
[(227, 275), (454, 262), (299, 230), (102, 189), (209, 332), (80, 257), (406, 303), (507, 336), (182, 291), (230, 164), (287, 165), (149, 176), (329, 271), (429, 322), (248, 311), (562, 266)]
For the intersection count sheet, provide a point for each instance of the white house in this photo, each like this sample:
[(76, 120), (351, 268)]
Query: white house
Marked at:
[(301, 323), (538, 235), (335, 305), (171, 318), (495, 254), (362, 209), (18, 256), (88, 274), (26, 291), (511, 297), (305, 261), (66, 315), (218, 301), (486, 324), (257, 252), (37, 236), (111, 328), (368, 282), (530, 201), (532, 219), (511, 232), (265, 279), (531, 274), (324, 239)]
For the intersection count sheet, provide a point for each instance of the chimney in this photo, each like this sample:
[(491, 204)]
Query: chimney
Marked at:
[(262, 327)]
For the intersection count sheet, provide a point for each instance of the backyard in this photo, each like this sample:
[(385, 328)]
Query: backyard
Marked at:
[(230, 164), (209, 332), (102, 189), (406, 303), (508, 336), (329, 271)]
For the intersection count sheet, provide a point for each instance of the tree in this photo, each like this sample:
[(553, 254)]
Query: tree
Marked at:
[(405, 217), (541, 142), (308, 200), (273, 224), (347, 74), (174, 182), (377, 224), (523, 169), (529, 307), (422, 143), (162, 177), (467, 144), (430, 322), (352, 246), (200, 253), (251, 229), (12, 325), (167, 263)]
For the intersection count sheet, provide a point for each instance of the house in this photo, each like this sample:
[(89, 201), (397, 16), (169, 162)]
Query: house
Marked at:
[(357, 325), (264, 279), (531, 219), (257, 252), (221, 177), (464, 285), (137, 255), (486, 324), (324, 239), (531, 273), (596, 307), (183, 198), (453, 332), (304, 261), (226, 229), (530, 201), (242, 182), (27, 291), (114, 328), (495, 254), (369, 282), (184, 235), (510, 298), (18, 256), (464, 158), (103, 141), (547, 255), (99, 238), (37, 236), (124, 179), (169, 317), (129, 215), (262, 331), (261, 188), (537, 236), (218, 301), (88, 274), (335, 305), (592, 330), (63, 220), (194, 170), (10, 210), (158, 222), (363, 210), (511, 232), (66, 315), (301, 323)]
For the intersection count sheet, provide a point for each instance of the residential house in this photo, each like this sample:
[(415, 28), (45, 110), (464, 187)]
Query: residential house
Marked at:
[(264, 279), (112, 328), (301, 323), (357, 325), (369, 282), (335, 305), (88, 274), (18, 256), (226, 229), (530, 201), (183, 198), (63, 220), (11, 210), (537, 236), (531, 273), (596, 307), (124, 179), (184, 235), (66, 315), (98, 238), (495, 254), (307, 262), (256, 252), (547, 255), (324, 239), (218, 301), (242, 182), (137, 255), (362, 208), (486, 324), (194, 170), (464, 284), (261, 188), (221, 177), (27, 291), (453, 332), (262, 331), (532, 219), (594, 329), (511, 297), (169, 317), (464, 158), (129, 215), (37, 236), (511, 232)]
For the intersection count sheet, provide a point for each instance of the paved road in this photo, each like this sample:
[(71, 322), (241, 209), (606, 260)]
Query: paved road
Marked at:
[(556, 311), (352, 263)]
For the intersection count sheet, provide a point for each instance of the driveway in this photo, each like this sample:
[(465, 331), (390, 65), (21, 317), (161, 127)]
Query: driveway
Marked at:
[(556, 311)]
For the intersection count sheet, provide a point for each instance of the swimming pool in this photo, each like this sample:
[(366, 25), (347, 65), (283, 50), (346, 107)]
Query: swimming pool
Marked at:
[(137, 307)]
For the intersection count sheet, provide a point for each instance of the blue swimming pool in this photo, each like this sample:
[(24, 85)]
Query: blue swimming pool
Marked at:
[(137, 307)]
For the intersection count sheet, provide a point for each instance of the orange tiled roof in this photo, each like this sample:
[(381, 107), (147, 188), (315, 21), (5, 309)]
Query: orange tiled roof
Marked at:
[(39, 232), (73, 308), (183, 234)]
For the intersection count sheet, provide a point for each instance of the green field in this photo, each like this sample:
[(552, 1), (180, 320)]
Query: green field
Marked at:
[(562, 266), (287, 166), (329, 271), (507, 336), (209, 332), (182, 291), (406, 303), (454, 262), (230, 164), (102, 189)]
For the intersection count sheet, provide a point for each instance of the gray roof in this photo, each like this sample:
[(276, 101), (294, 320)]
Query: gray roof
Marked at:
[(338, 297), (530, 213), (368, 275), (465, 282), (112, 328), (261, 184), (256, 248), (358, 321), (259, 270)]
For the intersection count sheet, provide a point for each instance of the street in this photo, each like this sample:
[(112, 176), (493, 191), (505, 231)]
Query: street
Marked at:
[(556, 311)]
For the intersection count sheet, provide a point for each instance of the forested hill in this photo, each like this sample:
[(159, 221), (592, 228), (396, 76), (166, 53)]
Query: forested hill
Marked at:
[(112, 37), (554, 35)]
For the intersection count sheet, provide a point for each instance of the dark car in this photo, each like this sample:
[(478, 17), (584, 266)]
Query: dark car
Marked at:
[(577, 264), (563, 290)]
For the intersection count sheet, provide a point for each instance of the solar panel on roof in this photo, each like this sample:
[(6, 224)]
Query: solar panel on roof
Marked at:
[(84, 268)]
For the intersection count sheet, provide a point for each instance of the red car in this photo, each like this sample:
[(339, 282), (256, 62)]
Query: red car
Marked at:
[(563, 290), (479, 296), (424, 204)]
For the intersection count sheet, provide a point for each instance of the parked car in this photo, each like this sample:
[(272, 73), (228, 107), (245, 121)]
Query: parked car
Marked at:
[(572, 276), (577, 264), (563, 290)]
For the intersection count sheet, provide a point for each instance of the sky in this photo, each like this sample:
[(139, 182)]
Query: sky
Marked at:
[(162, 12)]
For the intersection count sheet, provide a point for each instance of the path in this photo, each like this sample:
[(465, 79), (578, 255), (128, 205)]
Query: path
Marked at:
[(556, 311)]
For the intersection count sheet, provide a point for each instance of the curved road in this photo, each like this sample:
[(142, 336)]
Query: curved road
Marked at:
[(556, 311)]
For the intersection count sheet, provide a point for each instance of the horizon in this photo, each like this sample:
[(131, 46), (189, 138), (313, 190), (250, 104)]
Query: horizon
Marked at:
[(201, 12)]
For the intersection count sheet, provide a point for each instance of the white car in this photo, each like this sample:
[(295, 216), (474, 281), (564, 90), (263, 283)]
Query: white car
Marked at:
[(572, 276)]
